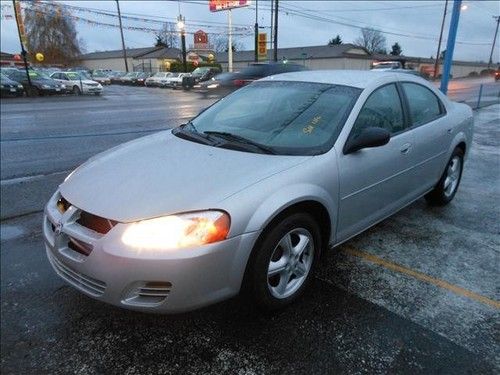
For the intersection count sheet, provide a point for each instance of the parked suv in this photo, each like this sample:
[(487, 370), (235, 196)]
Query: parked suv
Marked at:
[(198, 75)]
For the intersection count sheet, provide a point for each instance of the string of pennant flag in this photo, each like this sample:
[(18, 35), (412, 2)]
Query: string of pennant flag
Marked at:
[(54, 9)]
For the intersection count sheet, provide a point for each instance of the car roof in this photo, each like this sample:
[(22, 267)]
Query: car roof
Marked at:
[(356, 78)]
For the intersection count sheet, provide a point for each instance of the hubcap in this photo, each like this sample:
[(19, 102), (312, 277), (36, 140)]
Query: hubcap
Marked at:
[(290, 263), (452, 176)]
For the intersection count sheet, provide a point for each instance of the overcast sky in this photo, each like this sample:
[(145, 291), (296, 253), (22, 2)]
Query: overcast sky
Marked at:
[(419, 21)]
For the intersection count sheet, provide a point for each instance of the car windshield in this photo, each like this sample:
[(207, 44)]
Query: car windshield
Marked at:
[(200, 71), (36, 74), (74, 76), (292, 118), (174, 75)]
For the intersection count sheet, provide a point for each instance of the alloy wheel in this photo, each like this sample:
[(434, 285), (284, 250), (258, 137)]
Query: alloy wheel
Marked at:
[(290, 263), (452, 176)]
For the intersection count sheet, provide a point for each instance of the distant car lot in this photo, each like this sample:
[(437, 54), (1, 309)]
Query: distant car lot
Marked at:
[(415, 294)]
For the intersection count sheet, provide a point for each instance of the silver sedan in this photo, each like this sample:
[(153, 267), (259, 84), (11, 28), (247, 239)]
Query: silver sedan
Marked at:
[(247, 195)]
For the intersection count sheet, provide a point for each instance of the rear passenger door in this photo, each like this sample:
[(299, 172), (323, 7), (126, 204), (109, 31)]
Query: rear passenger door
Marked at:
[(428, 122), (374, 182)]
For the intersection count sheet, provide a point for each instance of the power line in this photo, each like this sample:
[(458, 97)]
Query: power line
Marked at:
[(289, 11)]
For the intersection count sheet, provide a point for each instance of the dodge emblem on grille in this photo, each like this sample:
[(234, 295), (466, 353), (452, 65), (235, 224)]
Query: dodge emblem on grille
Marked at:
[(58, 228)]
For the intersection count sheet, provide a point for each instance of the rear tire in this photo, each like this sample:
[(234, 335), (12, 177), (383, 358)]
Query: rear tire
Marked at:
[(447, 187), (283, 261)]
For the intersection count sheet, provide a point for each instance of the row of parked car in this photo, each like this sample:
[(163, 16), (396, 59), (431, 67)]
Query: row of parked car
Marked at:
[(14, 82)]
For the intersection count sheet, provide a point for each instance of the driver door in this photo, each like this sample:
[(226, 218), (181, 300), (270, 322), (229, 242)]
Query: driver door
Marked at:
[(374, 181)]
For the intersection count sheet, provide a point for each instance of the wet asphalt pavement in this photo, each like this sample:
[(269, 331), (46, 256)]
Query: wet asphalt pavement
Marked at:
[(363, 314)]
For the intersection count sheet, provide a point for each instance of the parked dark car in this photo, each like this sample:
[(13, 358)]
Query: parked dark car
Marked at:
[(128, 78), (140, 79), (41, 84), (199, 75), (9, 87), (116, 77), (226, 83)]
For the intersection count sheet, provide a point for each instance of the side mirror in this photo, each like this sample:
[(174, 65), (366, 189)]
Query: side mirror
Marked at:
[(369, 137)]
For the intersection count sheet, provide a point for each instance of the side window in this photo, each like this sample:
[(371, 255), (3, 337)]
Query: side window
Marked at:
[(383, 110), (424, 104)]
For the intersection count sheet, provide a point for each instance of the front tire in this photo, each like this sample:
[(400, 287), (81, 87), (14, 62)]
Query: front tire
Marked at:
[(282, 264), (76, 90), (447, 187)]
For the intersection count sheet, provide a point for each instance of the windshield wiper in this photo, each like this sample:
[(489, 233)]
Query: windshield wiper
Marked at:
[(193, 135), (241, 140)]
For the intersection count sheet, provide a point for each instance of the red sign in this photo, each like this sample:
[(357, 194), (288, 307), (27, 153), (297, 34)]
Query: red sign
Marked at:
[(218, 5)]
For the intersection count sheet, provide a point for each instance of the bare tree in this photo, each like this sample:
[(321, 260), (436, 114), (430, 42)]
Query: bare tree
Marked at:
[(221, 43), (168, 36), (51, 31), (371, 39)]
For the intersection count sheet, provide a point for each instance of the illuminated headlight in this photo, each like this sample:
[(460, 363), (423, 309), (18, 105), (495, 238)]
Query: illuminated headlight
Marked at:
[(178, 231), (63, 86), (2, 86), (46, 86), (19, 86), (213, 86)]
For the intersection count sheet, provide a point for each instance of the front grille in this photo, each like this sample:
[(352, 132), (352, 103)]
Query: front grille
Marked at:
[(79, 246), (96, 223), (86, 283), (148, 293)]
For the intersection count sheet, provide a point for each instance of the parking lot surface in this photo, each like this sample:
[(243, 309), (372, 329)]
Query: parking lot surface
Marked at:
[(417, 293)]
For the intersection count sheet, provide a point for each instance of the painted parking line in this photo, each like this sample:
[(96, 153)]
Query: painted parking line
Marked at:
[(420, 276)]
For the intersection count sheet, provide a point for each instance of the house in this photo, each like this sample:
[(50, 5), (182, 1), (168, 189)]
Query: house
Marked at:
[(147, 59), (347, 56), (340, 56)]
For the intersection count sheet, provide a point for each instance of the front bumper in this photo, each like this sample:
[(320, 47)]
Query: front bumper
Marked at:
[(168, 281), (92, 89)]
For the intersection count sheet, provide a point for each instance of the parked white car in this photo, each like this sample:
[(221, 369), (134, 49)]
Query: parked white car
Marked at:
[(158, 79), (175, 80), (77, 83)]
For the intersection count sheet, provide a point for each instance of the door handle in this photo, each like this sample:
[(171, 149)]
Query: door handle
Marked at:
[(449, 130), (405, 148)]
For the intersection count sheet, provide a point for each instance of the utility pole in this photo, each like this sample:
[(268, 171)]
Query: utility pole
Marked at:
[(256, 57), (450, 46), (230, 41), (490, 61), (276, 31), (18, 15), (436, 64), (272, 27), (123, 39)]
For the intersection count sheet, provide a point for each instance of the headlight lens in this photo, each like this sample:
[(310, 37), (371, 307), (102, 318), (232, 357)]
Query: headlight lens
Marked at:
[(19, 86), (213, 86), (2, 86), (46, 86), (178, 231)]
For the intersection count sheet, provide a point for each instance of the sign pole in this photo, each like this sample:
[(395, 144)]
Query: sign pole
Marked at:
[(450, 46), (19, 22), (230, 41)]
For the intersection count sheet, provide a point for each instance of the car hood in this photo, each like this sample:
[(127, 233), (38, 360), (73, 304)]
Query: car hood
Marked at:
[(162, 174)]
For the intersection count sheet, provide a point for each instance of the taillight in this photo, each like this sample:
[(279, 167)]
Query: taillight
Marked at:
[(241, 82)]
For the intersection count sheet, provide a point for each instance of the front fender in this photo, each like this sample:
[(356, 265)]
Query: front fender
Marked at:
[(253, 208), (286, 197)]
